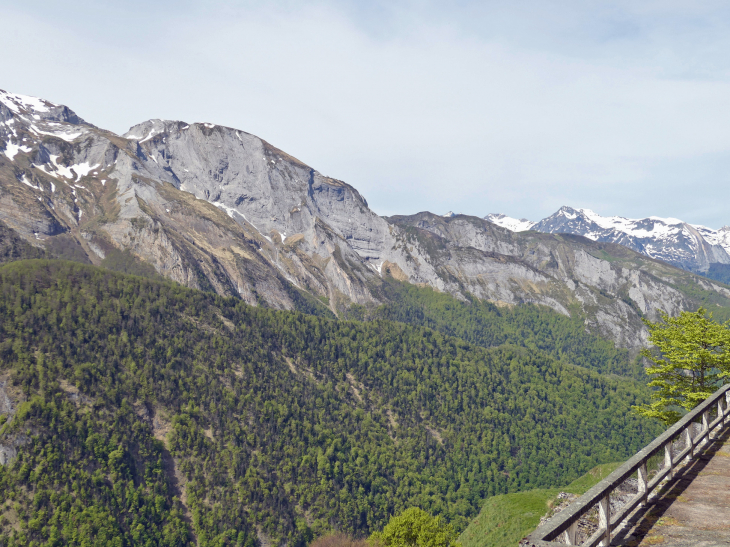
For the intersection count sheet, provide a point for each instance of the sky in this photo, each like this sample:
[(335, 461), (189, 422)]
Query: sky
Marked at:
[(474, 107)]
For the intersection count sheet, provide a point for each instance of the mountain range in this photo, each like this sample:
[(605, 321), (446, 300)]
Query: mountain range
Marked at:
[(218, 209), (691, 247)]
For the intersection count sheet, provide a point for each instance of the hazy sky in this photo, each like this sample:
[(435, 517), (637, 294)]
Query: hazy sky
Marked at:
[(472, 106)]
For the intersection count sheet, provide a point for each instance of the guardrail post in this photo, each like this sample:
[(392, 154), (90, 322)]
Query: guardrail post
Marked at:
[(643, 483), (689, 441), (668, 459), (719, 417), (720, 410), (569, 534), (604, 519)]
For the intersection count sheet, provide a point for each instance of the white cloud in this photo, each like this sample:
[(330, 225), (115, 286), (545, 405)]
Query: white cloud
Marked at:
[(620, 107)]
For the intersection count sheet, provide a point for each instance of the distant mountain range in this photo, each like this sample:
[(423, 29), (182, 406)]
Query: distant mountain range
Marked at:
[(688, 246), (221, 210)]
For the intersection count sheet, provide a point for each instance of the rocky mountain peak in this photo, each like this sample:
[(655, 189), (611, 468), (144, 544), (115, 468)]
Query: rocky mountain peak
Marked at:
[(510, 223)]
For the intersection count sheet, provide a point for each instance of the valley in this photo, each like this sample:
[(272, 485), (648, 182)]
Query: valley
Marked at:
[(205, 341)]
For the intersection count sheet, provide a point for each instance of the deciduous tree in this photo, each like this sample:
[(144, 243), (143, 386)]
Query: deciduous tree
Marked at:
[(414, 527), (691, 354)]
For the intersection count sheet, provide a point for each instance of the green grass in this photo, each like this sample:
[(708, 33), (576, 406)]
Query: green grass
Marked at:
[(504, 520)]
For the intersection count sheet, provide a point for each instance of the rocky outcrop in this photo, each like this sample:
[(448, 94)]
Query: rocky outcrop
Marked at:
[(6, 405), (8, 445)]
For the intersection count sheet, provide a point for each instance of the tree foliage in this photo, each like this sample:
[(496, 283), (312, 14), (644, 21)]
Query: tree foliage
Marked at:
[(414, 527), (537, 328), (691, 353)]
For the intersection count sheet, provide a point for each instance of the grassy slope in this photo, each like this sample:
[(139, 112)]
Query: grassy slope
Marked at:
[(507, 518)]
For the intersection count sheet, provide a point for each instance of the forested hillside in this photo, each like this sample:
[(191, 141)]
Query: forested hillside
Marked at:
[(485, 324), (146, 413)]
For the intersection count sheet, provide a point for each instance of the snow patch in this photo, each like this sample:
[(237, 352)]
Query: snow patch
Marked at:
[(11, 150), (25, 181), (68, 137), (232, 211), (73, 172), (83, 169), (148, 137)]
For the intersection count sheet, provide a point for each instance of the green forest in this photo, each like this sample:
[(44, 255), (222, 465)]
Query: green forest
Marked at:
[(152, 414), (485, 324)]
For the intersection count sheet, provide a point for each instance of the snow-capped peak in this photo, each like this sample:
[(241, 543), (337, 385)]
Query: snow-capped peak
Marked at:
[(646, 227), (32, 110), (692, 247), (719, 237), (17, 103), (512, 224)]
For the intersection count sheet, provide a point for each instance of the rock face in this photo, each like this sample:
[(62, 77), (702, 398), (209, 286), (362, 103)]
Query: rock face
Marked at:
[(692, 248), (612, 285), (218, 209)]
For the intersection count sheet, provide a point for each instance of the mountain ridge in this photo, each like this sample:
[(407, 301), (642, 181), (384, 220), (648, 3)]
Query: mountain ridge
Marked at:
[(219, 209), (691, 247)]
